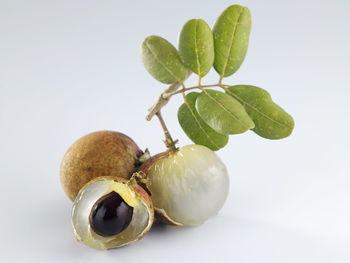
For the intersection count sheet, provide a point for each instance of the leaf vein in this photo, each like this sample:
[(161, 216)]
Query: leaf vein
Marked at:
[(196, 49), (162, 64), (231, 42), (200, 126), (257, 110), (225, 109)]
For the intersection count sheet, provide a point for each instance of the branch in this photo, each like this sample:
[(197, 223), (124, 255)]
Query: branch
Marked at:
[(163, 100), (169, 142)]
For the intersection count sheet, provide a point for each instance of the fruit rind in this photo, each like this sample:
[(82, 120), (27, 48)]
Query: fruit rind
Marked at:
[(187, 186), (139, 225), (101, 153), (159, 213), (163, 217)]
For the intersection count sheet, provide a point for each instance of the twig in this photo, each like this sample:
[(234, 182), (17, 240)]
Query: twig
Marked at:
[(162, 101), (168, 95), (169, 142), (164, 98)]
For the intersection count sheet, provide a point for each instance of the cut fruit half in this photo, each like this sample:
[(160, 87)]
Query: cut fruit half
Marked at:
[(111, 212)]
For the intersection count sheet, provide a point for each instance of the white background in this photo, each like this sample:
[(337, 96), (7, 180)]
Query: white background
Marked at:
[(68, 68)]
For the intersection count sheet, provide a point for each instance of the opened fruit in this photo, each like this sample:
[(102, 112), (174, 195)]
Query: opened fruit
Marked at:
[(115, 185), (111, 212)]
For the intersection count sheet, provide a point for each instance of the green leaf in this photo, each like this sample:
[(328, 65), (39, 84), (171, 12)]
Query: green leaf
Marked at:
[(195, 128), (196, 46), (271, 121), (231, 35), (162, 60), (223, 113)]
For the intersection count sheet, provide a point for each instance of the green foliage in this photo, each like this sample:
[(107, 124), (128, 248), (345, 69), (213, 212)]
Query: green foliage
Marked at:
[(231, 36), (162, 60), (271, 121), (223, 113), (210, 116), (196, 46), (195, 128)]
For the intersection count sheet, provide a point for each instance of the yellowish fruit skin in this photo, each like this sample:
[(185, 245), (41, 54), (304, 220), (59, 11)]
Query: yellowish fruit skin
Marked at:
[(98, 154), (187, 186)]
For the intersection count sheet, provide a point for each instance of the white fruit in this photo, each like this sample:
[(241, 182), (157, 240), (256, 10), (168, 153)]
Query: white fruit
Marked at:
[(188, 186)]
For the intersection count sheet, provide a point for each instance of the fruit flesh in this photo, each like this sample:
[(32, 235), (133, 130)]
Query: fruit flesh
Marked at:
[(188, 186), (140, 223), (110, 215)]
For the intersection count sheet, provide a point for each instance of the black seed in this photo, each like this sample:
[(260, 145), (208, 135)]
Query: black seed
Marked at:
[(110, 215)]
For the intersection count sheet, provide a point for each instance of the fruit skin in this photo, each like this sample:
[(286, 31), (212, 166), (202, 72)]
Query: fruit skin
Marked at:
[(101, 153), (159, 214), (187, 186), (98, 244)]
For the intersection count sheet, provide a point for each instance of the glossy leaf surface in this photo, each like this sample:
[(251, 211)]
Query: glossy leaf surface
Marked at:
[(196, 46), (231, 35), (162, 60), (271, 121), (195, 128), (223, 113)]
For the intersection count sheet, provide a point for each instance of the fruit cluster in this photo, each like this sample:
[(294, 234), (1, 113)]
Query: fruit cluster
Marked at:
[(118, 189)]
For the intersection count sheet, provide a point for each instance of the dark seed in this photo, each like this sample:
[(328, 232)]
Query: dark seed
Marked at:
[(110, 215)]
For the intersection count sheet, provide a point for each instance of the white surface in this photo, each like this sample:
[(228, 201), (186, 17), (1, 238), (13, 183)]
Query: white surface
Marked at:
[(71, 67)]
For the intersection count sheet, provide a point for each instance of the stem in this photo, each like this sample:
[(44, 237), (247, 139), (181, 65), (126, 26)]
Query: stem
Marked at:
[(168, 95), (169, 142), (162, 101), (221, 77), (164, 98)]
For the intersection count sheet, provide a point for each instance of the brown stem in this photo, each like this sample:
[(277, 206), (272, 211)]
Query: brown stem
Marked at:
[(164, 98), (162, 101), (169, 142)]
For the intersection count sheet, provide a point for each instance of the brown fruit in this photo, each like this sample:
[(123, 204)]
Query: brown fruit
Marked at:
[(102, 153)]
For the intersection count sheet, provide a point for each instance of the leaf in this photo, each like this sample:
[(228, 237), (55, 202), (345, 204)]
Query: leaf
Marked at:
[(223, 113), (271, 121), (231, 35), (162, 60), (196, 46), (195, 128)]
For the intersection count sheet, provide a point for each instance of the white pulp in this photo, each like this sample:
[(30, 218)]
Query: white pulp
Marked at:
[(80, 218), (190, 185)]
